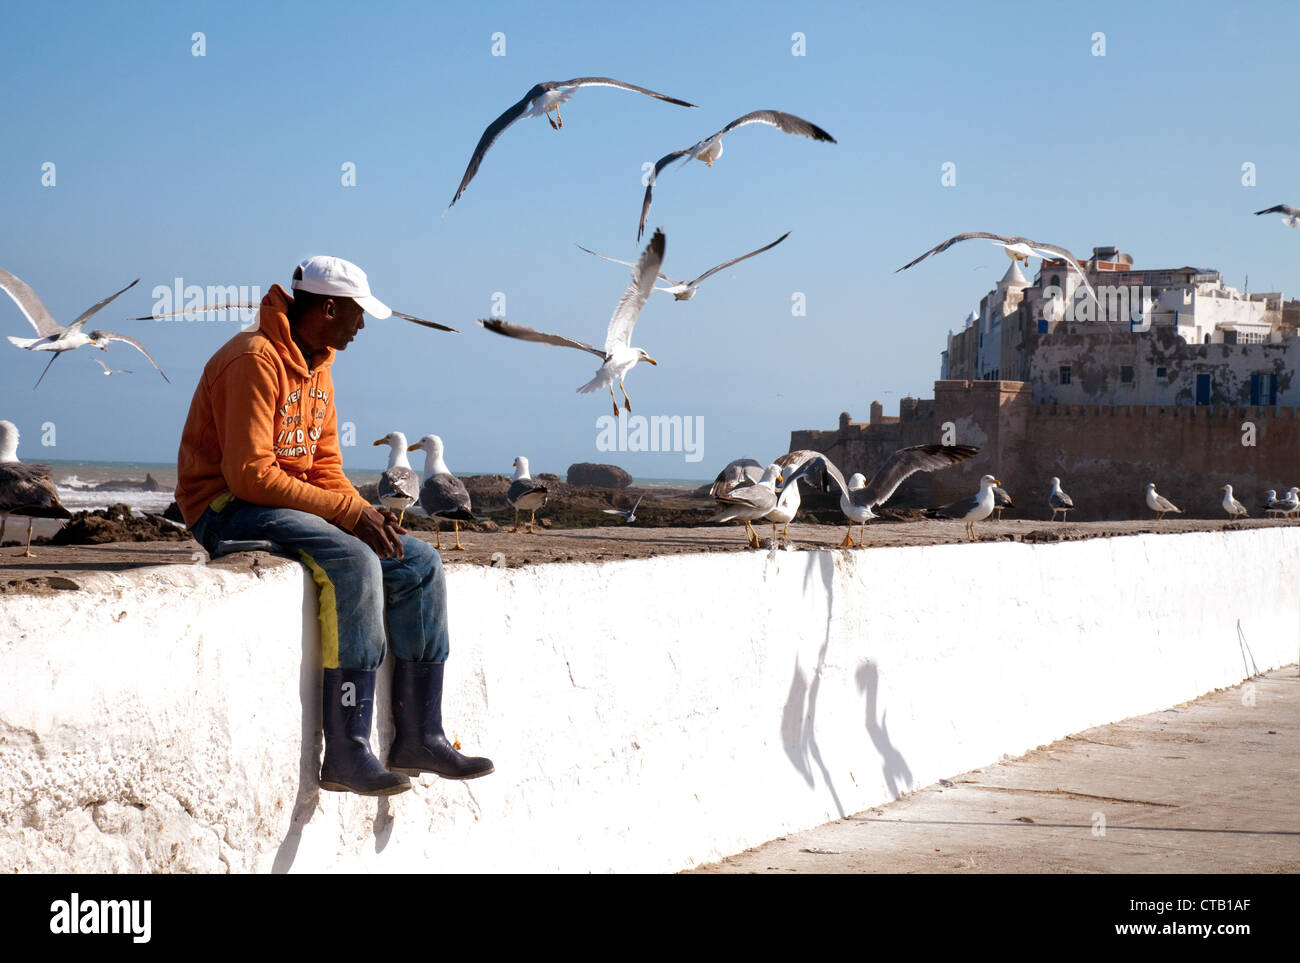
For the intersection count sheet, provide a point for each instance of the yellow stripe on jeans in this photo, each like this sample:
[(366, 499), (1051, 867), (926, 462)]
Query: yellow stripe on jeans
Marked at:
[(327, 613)]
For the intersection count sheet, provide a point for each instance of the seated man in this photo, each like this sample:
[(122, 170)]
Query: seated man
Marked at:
[(259, 459)]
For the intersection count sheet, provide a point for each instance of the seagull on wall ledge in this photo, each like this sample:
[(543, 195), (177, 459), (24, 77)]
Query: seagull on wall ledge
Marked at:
[(618, 356), (1159, 504), (972, 508), (857, 496), (540, 100), (1231, 505), (1017, 248)]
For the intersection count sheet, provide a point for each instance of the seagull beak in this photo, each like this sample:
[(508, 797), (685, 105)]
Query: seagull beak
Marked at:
[(996, 482), (652, 360), (411, 448), (381, 441)]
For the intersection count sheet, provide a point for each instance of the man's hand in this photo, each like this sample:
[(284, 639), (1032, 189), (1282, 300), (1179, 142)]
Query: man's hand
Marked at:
[(379, 530)]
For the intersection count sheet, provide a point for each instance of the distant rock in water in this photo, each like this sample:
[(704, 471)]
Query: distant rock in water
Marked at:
[(150, 484), (590, 475)]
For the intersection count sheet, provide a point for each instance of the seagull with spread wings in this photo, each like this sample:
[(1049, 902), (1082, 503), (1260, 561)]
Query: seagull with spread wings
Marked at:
[(685, 290), (1016, 248), (857, 503), (618, 356), (538, 102), (710, 149), (1290, 215), (58, 338)]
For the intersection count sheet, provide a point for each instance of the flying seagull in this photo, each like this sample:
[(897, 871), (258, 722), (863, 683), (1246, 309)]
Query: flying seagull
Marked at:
[(255, 307), (24, 489), (524, 493), (52, 336), (1290, 215), (442, 495), (972, 508), (1159, 504), (628, 516), (399, 486), (1058, 501), (540, 101), (618, 357), (710, 149), (111, 371), (1017, 248), (857, 503), (685, 290)]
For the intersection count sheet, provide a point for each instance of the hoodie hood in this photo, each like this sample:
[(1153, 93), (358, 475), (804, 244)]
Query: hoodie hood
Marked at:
[(273, 324)]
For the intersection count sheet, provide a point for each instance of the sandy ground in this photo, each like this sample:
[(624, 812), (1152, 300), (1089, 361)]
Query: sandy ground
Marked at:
[(1205, 787), (57, 567)]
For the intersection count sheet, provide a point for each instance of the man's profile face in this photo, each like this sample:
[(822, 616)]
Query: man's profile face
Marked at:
[(343, 319), (332, 323)]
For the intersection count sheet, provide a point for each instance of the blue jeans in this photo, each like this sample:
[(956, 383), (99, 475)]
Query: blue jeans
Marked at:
[(359, 594)]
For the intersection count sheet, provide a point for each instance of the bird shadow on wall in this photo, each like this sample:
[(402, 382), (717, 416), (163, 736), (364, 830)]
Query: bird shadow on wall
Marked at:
[(799, 716), (894, 766)]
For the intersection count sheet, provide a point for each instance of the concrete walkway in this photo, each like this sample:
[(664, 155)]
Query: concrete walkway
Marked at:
[(1209, 786)]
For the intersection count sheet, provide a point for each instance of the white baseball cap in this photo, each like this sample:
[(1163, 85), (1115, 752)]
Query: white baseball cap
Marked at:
[(336, 277)]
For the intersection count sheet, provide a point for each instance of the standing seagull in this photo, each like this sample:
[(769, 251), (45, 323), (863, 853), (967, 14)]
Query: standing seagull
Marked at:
[(685, 290), (1272, 505), (1231, 505), (1001, 500), (540, 101), (972, 508), (710, 149), (1016, 248), (399, 486), (24, 489), (749, 502), (1159, 504), (1291, 503), (619, 356), (442, 495), (1290, 215), (857, 503), (1058, 501), (525, 493), (52, 336)]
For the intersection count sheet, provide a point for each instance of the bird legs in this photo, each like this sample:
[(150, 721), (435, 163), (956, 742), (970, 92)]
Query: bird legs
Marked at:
[(531, 515), (848, 538), (28, 552), (970, 531), (559, 121), (627, 402), (458, 546)]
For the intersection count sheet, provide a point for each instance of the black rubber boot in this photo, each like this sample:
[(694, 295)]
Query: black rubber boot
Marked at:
[(420, 744), (347, 704)]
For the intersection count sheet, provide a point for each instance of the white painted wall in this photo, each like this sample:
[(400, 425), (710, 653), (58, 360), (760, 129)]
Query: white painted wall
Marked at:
[(643, 715)]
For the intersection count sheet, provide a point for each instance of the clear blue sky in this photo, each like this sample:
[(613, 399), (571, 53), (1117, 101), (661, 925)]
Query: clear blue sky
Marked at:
[(225, 169)]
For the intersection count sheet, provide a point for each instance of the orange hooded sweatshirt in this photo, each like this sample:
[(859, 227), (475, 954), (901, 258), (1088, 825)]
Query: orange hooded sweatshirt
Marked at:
[(262, 426)]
